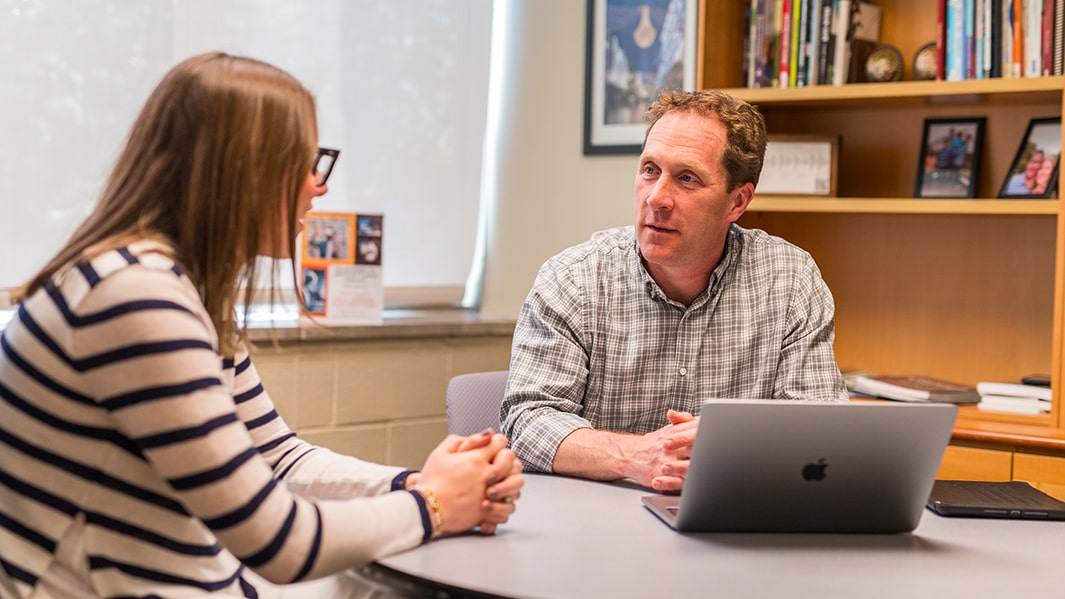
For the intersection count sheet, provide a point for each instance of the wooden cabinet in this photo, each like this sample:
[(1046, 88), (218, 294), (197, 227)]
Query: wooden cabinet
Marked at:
[(969, 463), (1043, 472), (1046, 473), (964, 290), (996, 451)]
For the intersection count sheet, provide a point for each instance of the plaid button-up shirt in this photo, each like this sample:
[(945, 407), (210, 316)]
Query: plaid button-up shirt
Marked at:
[(597, 343)]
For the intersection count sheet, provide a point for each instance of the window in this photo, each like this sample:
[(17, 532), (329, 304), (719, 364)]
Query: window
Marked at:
[(401, 88)]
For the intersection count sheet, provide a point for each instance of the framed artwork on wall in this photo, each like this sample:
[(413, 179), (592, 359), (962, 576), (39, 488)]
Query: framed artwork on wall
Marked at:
[(949, 161), (1034, 170), (634, 50)]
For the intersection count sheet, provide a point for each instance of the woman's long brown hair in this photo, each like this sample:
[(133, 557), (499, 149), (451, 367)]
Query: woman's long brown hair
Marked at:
[(221, 147)]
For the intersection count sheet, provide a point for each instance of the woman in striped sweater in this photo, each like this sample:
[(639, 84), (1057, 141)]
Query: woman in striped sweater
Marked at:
[(139, 453)]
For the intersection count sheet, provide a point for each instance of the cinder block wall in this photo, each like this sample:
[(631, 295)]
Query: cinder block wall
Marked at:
[(381, 400)]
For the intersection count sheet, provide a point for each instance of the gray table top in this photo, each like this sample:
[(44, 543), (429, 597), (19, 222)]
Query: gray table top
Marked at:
[(578, 538)]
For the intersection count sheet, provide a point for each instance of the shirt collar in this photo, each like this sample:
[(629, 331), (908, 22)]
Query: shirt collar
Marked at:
[(733, 246)]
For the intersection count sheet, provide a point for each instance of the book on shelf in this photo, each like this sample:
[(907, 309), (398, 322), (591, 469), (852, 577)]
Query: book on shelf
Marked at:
[(784, 47), (915, 388), (813, 43), (994, 30), (968, 41), (979, 36), (800, 40), (796, 38), (1013, 405), (941, 40), (811, 49), (841, 51), (775, 25), (1014, 390), (1033, 27), (750, 68), (824, 44), (955, 42), (1058, 42), (1017, 22), (1006, 41), (1046, 39)]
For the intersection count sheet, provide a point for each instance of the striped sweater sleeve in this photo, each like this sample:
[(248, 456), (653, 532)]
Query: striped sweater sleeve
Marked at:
[(156, 373), (307, 470)]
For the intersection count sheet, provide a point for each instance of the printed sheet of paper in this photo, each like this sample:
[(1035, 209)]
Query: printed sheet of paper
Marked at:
[(798, 167)]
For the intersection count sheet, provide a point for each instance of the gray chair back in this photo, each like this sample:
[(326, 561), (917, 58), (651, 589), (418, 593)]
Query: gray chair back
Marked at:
[(473, 401)]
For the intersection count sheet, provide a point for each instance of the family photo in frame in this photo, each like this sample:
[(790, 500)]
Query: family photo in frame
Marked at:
[(1034, 170), (634, 50), (950, 157)]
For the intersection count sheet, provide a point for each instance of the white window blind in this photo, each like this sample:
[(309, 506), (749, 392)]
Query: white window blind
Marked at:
[(401, 89)]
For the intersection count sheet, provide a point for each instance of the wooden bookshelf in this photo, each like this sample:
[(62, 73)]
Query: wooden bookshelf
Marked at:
[(963, 290), (913, 94), (867, 205)]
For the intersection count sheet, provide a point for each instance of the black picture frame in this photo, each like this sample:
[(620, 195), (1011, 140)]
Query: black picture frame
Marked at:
[(948, 164), (620, 45), (1042, 142)]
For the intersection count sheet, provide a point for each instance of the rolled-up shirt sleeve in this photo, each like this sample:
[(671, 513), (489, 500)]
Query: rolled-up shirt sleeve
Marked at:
[(548, 371)]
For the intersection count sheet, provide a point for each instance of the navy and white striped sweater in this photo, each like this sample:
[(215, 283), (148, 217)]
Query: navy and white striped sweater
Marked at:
[(135, 461)]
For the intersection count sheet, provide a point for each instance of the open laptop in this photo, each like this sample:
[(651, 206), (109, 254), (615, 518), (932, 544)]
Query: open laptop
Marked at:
[(797, 466)]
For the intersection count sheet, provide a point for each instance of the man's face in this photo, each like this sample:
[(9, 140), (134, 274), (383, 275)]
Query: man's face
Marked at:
[(682, 204)]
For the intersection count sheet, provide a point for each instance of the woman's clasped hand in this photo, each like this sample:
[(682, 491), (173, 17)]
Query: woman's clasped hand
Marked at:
[(475, 481)]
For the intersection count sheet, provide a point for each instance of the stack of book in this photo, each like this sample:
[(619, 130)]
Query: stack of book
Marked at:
[(1013, 398)]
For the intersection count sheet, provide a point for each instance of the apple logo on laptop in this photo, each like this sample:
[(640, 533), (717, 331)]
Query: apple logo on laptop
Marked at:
[(814, 471)]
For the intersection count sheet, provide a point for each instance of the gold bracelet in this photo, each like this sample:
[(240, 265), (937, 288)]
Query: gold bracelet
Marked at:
[(434, 505)]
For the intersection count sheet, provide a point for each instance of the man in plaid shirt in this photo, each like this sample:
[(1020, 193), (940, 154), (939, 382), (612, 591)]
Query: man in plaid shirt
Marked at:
[(622, 336)]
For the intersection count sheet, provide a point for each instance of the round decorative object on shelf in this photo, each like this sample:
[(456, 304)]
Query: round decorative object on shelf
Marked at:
[(884, 64), (924, 62)]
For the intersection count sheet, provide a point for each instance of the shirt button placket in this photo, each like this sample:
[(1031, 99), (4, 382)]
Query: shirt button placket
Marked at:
[(684, 341)]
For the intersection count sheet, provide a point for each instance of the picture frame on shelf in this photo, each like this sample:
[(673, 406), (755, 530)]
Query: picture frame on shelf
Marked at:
[(948, 164), (1034, 170), (634, 50), (799, 165)]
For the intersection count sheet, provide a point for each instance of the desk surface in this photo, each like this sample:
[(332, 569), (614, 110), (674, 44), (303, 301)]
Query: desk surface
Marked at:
[(576, 538)]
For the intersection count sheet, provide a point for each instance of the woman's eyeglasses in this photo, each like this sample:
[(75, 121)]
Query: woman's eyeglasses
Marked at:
[(323, 165)]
